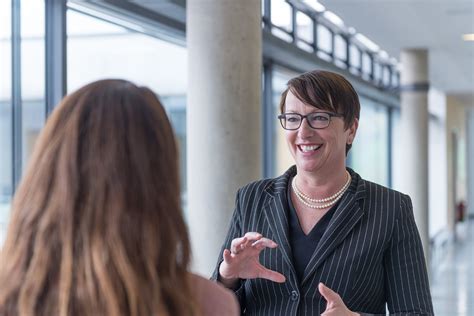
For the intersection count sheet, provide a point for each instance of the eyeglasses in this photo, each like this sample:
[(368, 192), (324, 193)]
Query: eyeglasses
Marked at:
[(316, 120)]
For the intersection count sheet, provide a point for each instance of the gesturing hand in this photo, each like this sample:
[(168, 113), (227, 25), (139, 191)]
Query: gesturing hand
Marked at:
[(335, 306), (242, 260)]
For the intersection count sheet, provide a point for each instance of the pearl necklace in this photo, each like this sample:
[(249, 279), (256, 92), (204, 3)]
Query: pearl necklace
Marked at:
[(306, 200), (332, 197)]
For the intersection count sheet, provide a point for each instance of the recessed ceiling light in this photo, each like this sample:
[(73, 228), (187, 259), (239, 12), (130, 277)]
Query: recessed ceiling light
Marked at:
[(367, 42), (383, 54), (468, 37), (333, 18), (318, 7)]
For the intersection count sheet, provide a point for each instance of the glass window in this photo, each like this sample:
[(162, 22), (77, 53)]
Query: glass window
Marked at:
[(437, 165), (340, 47), (366, 64), (386, 76), (394, 78), (6, 145), (324, 39), (304, 27), (281, 13), (99, 50), (377, 72), (369, 153), (32, 74), (282, 34), (282, 155), (354, 56)]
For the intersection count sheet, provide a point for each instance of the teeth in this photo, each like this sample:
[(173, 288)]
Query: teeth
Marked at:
[(309, 148)]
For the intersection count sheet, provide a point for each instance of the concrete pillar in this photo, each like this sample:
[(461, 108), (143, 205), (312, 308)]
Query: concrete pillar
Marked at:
[(414, 123), (223, 117)]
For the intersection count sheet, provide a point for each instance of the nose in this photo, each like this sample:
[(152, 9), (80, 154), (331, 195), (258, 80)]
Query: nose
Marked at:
[(305, 130)]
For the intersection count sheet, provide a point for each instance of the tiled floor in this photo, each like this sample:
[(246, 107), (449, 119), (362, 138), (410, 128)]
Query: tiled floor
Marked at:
[(452, 282)]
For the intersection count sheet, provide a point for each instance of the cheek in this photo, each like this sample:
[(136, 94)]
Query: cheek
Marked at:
[(290, 138), (336, 141)]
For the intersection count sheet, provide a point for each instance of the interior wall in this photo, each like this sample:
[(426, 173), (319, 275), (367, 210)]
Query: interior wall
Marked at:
[(469, 160), (457, 179), (437, 163)]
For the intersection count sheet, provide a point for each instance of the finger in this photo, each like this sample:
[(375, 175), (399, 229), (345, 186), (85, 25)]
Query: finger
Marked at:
[(272, 275), (236, 243), (264, 242), (329, 295), (240, 243), (253, 235), (227, 256), (245, 241)]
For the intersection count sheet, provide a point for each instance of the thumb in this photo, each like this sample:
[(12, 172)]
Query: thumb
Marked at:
[(329, 295), (272, 276)]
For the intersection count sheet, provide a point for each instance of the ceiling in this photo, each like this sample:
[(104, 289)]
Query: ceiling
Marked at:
[(437, 25)]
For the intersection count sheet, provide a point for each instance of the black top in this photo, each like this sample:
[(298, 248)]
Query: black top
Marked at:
[(302, 245)]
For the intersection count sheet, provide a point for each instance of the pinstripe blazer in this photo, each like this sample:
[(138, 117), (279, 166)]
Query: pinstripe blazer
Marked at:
[(370, 253)]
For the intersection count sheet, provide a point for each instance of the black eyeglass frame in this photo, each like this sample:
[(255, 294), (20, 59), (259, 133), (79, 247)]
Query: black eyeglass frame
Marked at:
[(281, 117)]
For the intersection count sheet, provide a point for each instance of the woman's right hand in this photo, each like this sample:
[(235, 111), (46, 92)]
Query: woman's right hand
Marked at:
[(242, 260)]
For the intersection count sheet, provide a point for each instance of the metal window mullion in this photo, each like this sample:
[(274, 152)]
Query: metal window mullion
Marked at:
[(294, 31), (267, 15), (333, 38), (348, 52), (372, 67), (390, 74), (55, 52), (16, 93), (391, 84), (268, 119), (315, 35), (384, 67), (390, 147), (379, 74)]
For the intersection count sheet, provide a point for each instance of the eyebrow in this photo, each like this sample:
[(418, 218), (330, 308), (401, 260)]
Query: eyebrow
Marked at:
[(319, 111)]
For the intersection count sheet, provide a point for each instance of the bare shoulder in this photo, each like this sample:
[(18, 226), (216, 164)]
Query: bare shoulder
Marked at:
[(213, 298)]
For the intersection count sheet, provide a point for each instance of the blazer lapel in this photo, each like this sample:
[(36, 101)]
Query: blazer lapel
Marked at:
[(345, 218), (276, 214)]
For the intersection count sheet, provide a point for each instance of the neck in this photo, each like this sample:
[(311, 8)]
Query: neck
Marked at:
[(320, 185)]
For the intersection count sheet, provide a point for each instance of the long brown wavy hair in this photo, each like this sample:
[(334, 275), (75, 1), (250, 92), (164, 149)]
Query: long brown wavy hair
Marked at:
[(96, 225)]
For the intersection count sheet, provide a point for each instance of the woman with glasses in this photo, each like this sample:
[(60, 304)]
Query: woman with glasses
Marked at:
[(319, 239)]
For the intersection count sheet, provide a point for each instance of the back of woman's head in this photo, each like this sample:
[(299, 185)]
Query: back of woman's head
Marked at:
[(96, 225)]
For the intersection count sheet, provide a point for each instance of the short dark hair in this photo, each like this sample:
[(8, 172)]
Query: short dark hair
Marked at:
[(328, 91)]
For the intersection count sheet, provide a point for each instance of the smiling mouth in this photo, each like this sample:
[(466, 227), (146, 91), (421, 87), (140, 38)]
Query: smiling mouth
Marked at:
[(306, 149)]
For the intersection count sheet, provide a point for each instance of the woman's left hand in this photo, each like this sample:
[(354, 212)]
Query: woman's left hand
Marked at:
[(335, 306)]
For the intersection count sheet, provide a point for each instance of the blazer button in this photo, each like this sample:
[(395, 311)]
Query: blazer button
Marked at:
[(294, 295)]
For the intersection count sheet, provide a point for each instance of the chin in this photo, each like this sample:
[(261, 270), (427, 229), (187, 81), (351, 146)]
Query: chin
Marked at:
[(307, 167)]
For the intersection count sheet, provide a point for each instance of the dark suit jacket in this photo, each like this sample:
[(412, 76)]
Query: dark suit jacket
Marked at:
[(371, 253)]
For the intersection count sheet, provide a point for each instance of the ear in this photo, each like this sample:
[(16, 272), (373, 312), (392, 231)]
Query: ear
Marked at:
[(352, 131)]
